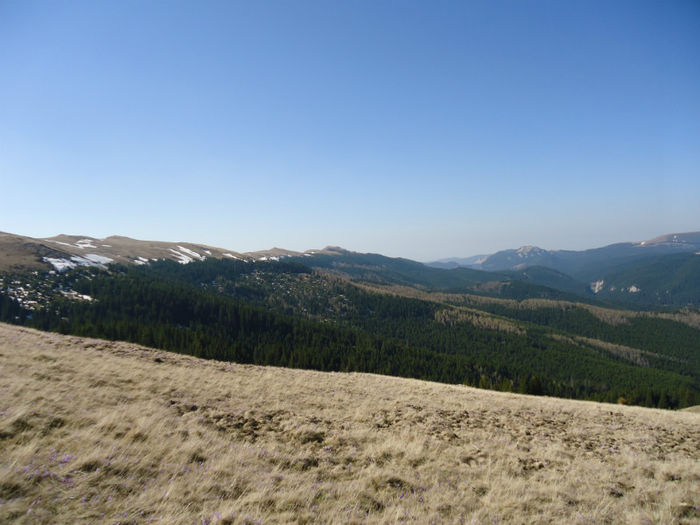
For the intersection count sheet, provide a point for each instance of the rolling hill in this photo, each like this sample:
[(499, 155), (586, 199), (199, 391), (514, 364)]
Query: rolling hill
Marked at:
[(19, 252)]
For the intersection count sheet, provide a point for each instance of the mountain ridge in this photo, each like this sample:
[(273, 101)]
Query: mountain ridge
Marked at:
[(566, 260), (599, 274), (64, 251), (125, 249)]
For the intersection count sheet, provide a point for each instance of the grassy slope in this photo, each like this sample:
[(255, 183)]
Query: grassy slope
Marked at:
[(97, 431)]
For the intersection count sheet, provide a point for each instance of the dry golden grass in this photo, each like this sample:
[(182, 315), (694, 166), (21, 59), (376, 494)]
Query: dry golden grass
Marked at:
[(454, 315), (101, 432), (634, 355)]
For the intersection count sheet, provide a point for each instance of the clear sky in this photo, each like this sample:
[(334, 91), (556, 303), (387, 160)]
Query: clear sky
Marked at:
[(417, 129)]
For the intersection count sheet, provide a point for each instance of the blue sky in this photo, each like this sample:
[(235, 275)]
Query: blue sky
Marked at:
[(415, 129)]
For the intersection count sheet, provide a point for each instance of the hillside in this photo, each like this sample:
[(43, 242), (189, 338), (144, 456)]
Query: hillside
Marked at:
[(284, 314), (670, 280), (113, 432), (525, 331)]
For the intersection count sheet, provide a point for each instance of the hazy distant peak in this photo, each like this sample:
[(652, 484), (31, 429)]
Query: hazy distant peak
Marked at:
[(334, 250), (527, 251), (118, 237), (674, 238)]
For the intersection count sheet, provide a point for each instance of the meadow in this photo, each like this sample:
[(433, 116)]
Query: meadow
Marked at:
[(94, 431)]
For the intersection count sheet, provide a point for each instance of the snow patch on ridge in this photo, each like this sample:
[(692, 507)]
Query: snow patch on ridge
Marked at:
[(99, 259), (191, 253), (181, 257), (90, 259), (85, 243), (72, 294), (85, 261), (82, 244), (597, 286), (60, 264)]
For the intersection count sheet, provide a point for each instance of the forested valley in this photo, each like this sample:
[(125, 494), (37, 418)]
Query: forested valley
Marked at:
[(286, 314)]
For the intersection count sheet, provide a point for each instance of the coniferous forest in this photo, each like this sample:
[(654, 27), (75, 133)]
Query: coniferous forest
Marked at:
[(286, 314)]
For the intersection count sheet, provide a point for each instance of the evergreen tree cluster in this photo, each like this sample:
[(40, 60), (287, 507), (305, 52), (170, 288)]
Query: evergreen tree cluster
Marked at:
[(202, 309)]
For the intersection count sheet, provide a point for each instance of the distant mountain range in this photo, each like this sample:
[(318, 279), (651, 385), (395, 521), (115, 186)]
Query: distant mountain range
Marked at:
[(660, 272), (584, 264)]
